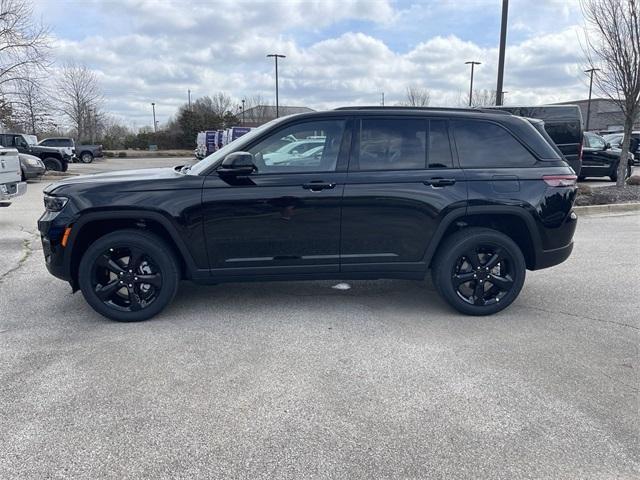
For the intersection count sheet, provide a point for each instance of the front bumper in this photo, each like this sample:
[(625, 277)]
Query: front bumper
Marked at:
[(32, 171), (12, 190)]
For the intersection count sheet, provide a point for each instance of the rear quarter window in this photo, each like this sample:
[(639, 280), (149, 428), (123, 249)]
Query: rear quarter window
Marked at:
[(484, 144)]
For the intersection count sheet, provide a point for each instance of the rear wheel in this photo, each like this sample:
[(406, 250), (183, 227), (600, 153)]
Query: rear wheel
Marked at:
[(479, 271), (53, 164), (129, 275), (86, 157), (627, 174)]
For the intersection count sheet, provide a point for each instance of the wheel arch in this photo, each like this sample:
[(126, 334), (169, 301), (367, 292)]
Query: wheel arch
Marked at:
[(92, 226), (515, 222)]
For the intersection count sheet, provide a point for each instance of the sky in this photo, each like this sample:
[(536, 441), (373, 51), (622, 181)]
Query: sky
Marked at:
[(339, 52)]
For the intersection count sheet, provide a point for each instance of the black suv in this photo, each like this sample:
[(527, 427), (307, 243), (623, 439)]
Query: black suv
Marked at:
[(475, 197)]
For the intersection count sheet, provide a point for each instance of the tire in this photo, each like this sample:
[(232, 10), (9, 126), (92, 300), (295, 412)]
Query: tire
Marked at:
[(494, 255), (614, 176), (86, 157), (54, 164), (116, 289)]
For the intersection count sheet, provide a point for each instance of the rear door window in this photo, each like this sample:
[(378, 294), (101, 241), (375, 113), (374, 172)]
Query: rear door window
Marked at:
[(487, 145), (392, 144)]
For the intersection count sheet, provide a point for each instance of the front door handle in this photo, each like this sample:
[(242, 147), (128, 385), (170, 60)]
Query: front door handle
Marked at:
[(440, 182), (316, 186)]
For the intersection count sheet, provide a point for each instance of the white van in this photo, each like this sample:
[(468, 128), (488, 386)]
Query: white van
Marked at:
[(10, 175)]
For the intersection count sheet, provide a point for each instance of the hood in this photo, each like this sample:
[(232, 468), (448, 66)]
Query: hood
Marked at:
[(40, 148), (126, 179)]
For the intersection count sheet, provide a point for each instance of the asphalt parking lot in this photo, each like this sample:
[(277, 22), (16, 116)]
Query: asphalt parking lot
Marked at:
[(300, 380)]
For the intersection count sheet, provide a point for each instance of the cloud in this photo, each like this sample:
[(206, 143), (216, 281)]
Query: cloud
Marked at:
[(338, 52)]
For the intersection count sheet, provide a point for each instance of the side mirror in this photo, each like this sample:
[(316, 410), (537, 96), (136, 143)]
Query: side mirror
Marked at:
[(237, 163)]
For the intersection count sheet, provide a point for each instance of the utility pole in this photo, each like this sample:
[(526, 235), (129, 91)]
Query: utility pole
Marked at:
[(473, 64), (276, 56), (189, 96), (243, 100), (155, 125), (382, 98), (591, 71), (503, 46)]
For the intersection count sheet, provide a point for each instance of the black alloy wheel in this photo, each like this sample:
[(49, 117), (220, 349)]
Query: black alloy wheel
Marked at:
[(129, 275), (125, 278), (479, 271), (481, 275)]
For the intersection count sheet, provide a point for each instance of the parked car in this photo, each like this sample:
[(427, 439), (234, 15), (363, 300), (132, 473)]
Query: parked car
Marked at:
[(599, 159), (477, 198), (563, 123), (52, 158), (30, 166), (615, 140), (291, 149), (81, 153), (11, 184)]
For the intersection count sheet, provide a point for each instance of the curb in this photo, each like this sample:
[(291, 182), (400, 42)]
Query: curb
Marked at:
[(589, 210)]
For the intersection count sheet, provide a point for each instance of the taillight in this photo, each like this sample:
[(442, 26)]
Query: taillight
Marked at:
[(560, 180)]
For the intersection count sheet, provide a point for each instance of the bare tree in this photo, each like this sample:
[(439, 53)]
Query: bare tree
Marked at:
[(32, 110), (481, 98), (258, 110), (23, 46), (417, 97), (80, 99), (612, 34)]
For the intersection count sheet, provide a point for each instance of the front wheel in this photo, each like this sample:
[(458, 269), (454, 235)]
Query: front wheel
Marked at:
[(627, 174), (129, 275), (86, 157), (479, 271), (53, 164)]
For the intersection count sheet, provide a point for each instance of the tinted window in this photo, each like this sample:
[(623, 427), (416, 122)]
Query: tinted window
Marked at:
[(439, 154), (316, 148), (485, 145), (392, 144), (47, 143)]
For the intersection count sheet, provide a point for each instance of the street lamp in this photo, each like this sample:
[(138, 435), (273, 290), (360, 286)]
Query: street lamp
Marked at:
[(473, 64), (591, 71), (276, 56), (243, 100), (155, 125)]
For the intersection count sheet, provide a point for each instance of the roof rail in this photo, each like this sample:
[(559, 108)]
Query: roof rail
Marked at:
[(434, 109)]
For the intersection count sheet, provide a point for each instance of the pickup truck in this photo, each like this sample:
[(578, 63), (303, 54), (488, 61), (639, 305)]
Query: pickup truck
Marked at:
[(10, 176), (53, 158), (82, 153)]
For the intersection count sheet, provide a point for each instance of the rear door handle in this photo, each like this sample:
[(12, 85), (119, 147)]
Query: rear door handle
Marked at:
[(440, 182), (316, 186)]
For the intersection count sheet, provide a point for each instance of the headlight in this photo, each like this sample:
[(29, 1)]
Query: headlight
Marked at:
[(54, 204), (32, 161)]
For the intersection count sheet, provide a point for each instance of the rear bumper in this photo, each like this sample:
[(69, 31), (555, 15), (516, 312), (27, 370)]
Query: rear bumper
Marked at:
[(549, 258), (12, 190), (32, 172)]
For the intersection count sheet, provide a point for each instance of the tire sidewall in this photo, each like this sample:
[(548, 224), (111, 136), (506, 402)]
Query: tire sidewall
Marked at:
[(450, 255), (156, 249), (53, 164), (86, 158)]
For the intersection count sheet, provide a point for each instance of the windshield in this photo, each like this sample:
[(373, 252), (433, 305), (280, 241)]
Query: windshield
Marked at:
[(31, 139), (216, 157)]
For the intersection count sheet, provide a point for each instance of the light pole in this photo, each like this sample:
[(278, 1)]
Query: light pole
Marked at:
[(473, 64), (501, 53), (382, 98), (155, 125), (243, 100), (591, 71), (276, 56)]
